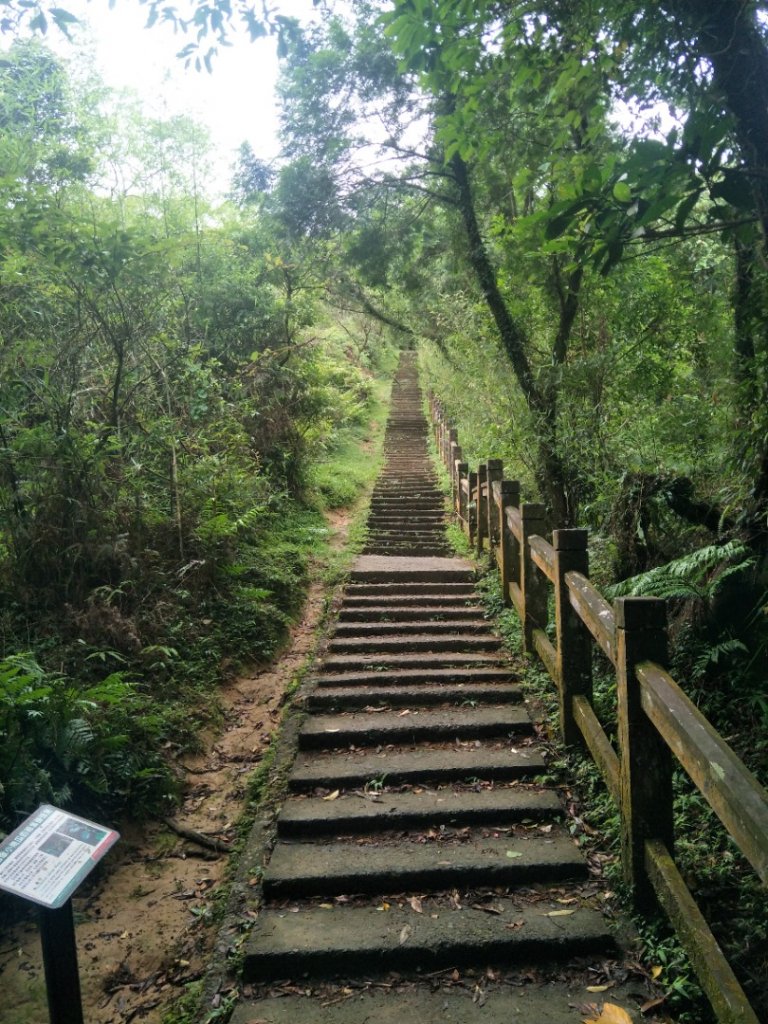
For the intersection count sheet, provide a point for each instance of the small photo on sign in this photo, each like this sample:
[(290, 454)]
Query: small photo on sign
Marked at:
[(82, 831), (55, 844)]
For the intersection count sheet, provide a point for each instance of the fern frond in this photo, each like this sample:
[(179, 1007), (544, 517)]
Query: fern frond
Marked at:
[(684, 577)]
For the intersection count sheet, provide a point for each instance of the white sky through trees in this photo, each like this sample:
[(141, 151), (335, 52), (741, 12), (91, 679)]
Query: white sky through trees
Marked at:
[(235, 101)]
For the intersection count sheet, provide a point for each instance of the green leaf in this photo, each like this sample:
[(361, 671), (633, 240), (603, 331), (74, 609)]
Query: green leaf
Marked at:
[(622, 192), (733, 189)]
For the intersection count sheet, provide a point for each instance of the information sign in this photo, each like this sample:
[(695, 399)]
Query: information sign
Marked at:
[(47, 857)]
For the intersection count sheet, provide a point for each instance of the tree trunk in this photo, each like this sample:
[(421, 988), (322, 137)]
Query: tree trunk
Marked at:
[(551, 475), (730, 39)]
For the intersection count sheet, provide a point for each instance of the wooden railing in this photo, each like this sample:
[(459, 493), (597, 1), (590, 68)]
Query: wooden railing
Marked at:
[(657, 723)]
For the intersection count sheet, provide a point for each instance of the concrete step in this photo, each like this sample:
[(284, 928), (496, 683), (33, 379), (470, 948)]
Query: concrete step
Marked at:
[(496, 673), (353, 940), (394, 613), (527, 1003), (429, 808), (429, 503), (345, 698), (383, 569), (417, 549), (325, 732), (303, 870), (414, 768), (428, 623), (410, 591), (360, 661), (383, 643)]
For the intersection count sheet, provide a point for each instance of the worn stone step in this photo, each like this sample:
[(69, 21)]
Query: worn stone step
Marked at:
[(352, 940), (393, 601), (397, 613), (527, 1003), (418, 549), (422, 674), (411, 533), (407, 524), (344, 698), (410, 591), (384, 643), (430, 503), (303, 870), (409, 491), (426, 625), (324, 732), (391, 569), (360, 661), (429, 808), (397, 768)]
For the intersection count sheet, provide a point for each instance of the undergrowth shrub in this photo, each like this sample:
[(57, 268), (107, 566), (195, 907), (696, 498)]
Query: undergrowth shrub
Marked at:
[(60, 741)]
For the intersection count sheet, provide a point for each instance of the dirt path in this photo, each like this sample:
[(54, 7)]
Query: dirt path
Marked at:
[(142, 925)]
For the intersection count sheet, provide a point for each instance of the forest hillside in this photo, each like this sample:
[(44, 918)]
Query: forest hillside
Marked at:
[(563, 207)]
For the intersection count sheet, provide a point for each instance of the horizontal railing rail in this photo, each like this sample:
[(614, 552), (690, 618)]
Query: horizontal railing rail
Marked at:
[(657, 724)]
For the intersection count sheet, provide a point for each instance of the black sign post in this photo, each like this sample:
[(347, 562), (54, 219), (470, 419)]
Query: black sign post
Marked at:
[(44, 860), (62, 978)]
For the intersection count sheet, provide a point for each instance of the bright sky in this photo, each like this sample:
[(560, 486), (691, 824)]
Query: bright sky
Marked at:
[(235, 101)]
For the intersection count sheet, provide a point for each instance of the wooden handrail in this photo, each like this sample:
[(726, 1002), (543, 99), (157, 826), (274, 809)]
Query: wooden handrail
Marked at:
[(543, 554), (733, 793), (596, 738), (594, 611), (656, 720), (515, 522), (717, 979)]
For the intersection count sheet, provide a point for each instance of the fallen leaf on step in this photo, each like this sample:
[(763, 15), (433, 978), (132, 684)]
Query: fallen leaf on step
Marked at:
[(404, 712), (405, 934), (611, 1015), (599, 988), (416, 904), (487, 908), (560, 913), (652, 1004), (332, 796), (512, 854), (326, 906)]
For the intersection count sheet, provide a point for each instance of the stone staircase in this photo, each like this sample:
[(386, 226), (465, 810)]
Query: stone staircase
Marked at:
[(421, 870)]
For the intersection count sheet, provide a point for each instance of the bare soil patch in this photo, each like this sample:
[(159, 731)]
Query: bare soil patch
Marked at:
[(143, 921)]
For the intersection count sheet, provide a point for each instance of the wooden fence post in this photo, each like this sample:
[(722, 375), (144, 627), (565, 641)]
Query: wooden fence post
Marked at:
[(451, 439), (509, 561), (470, 524), (454, 456), (495, 472), (460, 504), (438, 423), (646, 760), (480, 518), (573, 642), (532, 583)]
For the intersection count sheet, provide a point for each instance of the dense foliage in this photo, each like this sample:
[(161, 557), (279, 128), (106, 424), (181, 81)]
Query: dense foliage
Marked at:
[(168, 402), (564, 203)]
